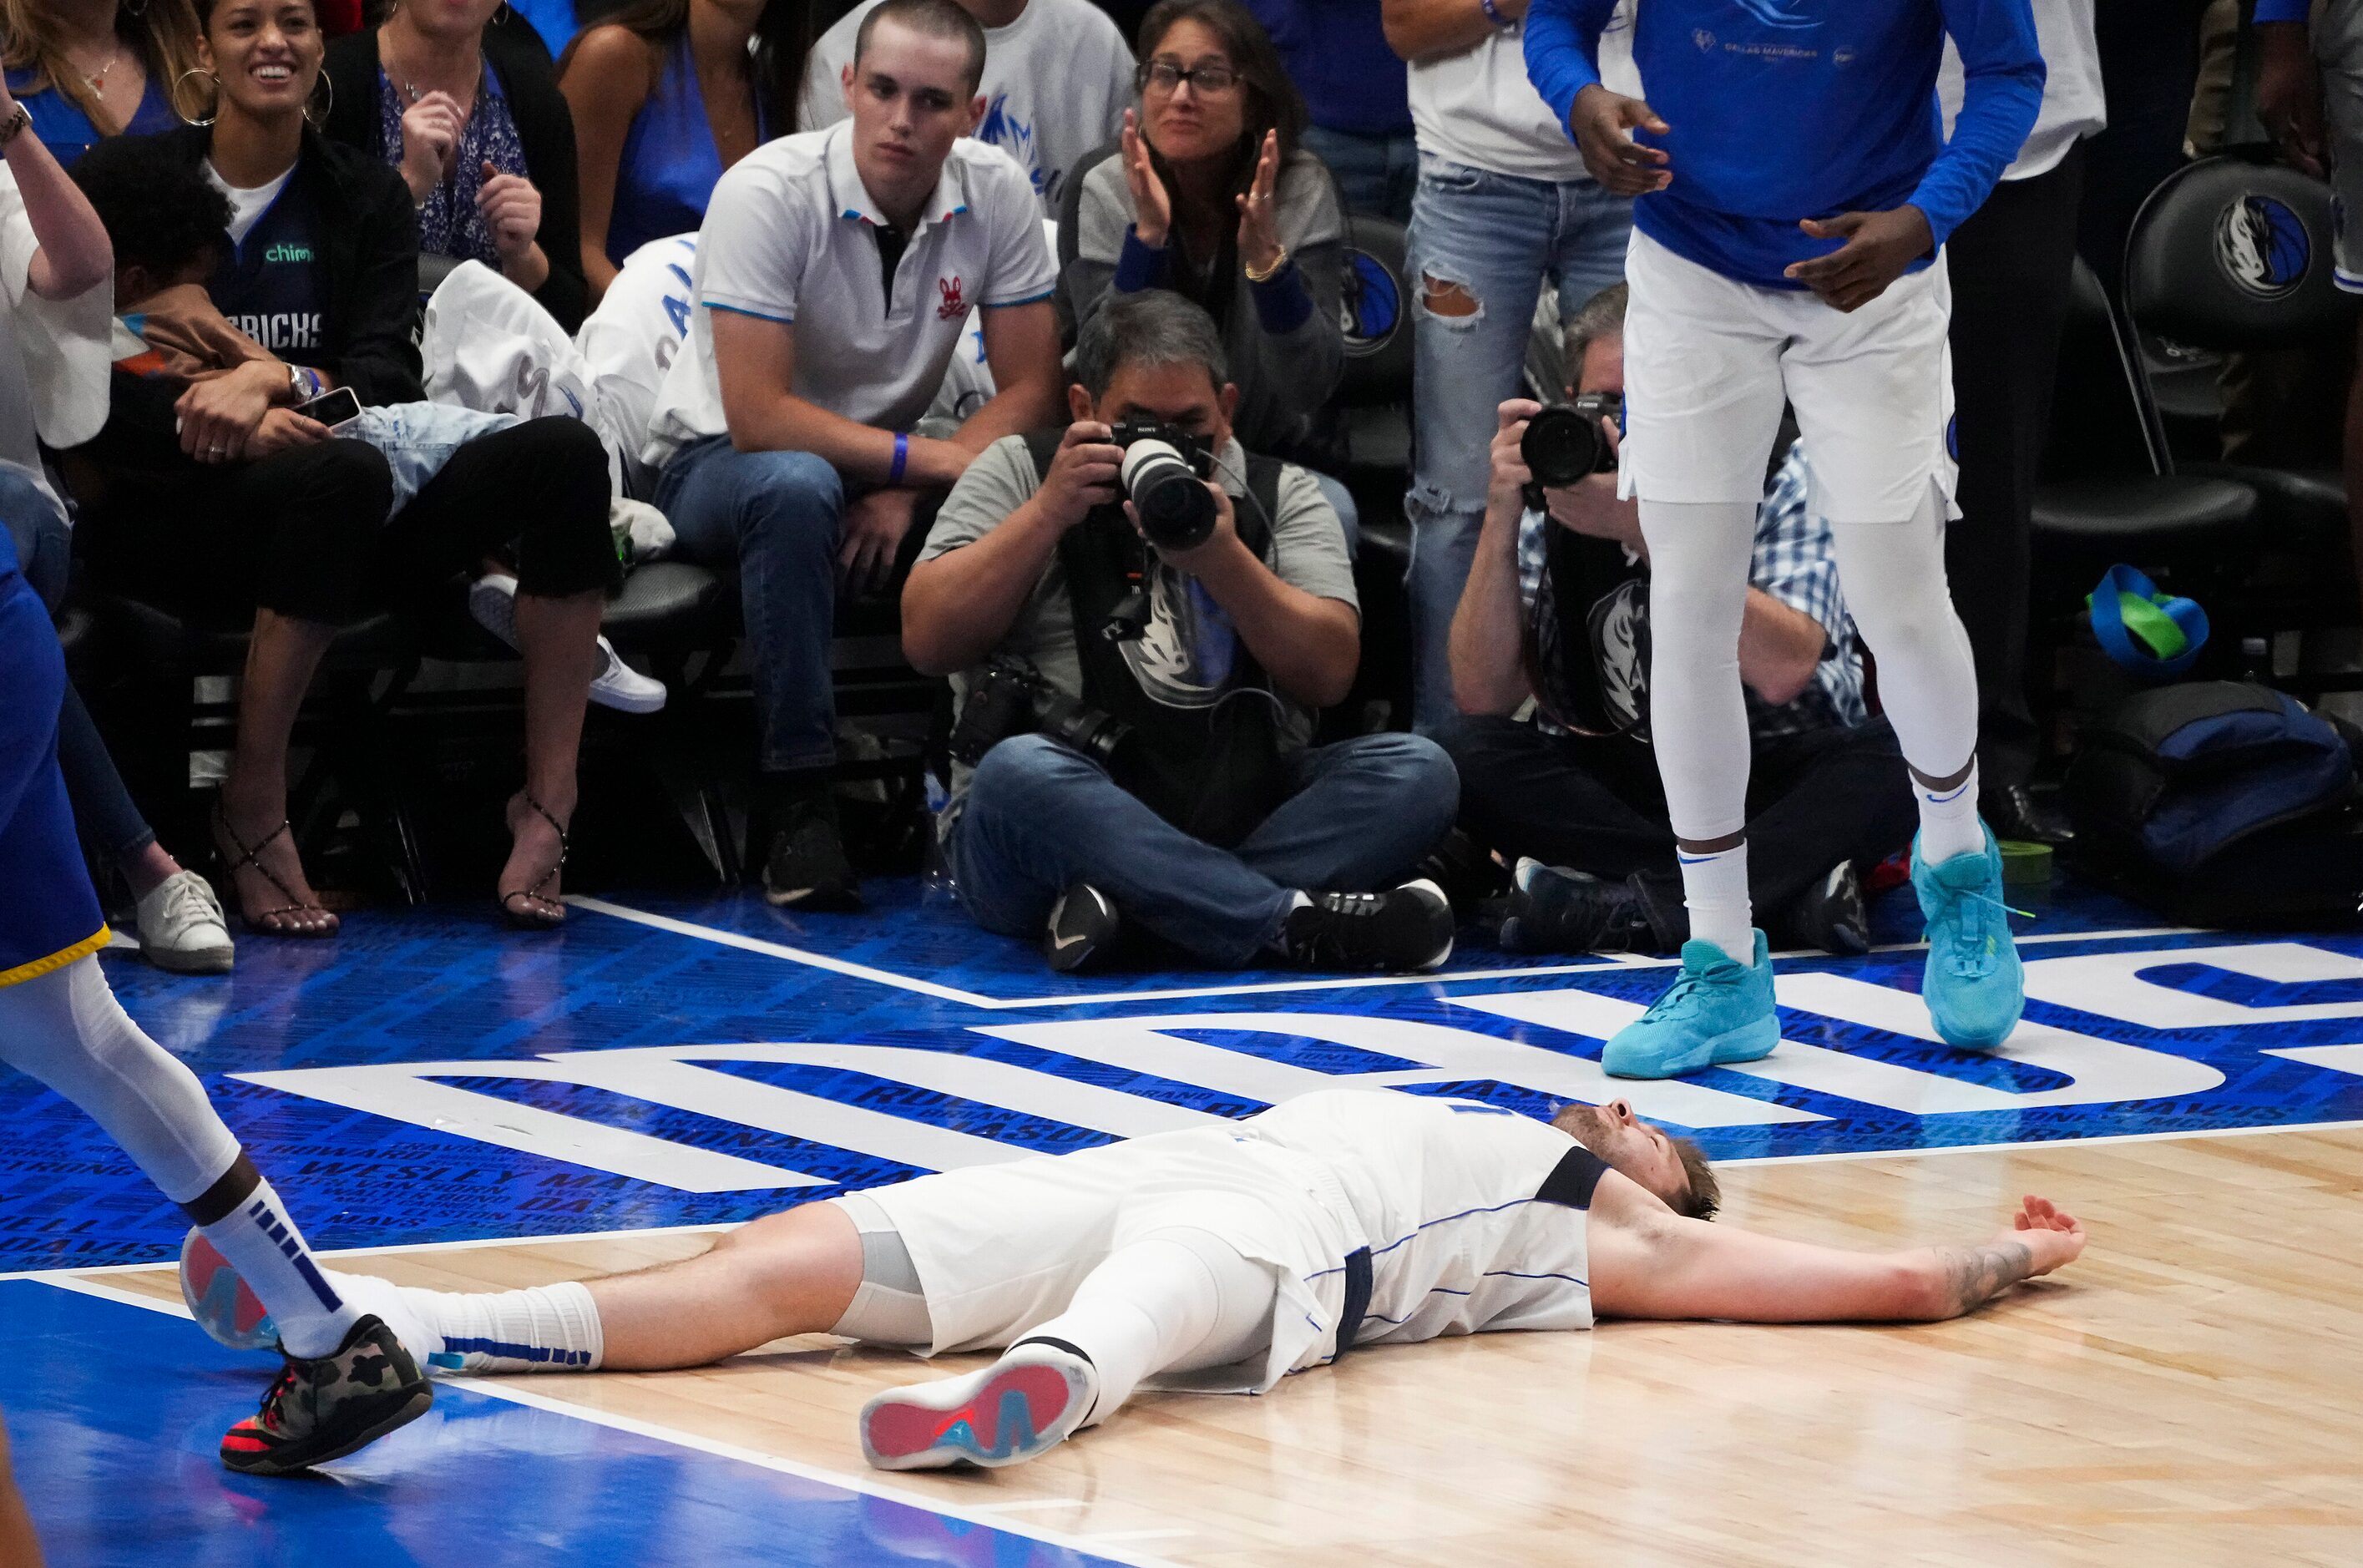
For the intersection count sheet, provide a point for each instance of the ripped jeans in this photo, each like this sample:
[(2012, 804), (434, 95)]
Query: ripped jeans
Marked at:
[(1499, 237)]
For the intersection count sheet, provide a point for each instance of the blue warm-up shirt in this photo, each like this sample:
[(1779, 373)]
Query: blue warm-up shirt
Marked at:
[(1790, 110)]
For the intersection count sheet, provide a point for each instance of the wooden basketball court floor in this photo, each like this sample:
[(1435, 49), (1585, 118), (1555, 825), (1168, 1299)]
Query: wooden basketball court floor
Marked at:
[(2190, 1393)]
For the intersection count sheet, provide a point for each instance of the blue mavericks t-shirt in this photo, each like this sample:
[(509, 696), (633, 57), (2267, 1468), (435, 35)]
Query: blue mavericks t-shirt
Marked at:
[(273, 285), (1789, 109), (67, 132)]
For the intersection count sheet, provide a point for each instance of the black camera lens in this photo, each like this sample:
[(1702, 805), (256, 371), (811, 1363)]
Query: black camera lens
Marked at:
[(1562, 444), (1176, 509)]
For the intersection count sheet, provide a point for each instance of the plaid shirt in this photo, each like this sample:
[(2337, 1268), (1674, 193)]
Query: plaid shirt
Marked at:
[(1793, 564)]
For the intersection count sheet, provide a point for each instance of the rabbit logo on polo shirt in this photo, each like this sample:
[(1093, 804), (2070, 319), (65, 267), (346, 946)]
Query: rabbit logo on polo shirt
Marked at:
[(953, 306)]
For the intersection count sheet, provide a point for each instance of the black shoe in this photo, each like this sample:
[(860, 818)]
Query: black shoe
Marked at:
[(1083, 927), (1830, 915), (1467, 875), (1405, 929), (324, 1408), (806, 868), (2014, 811), (1553, 909)]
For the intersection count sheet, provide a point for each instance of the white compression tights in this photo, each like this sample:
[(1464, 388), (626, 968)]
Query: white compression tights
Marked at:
[(1177, 1300), (1895, 586), (67, 1029)]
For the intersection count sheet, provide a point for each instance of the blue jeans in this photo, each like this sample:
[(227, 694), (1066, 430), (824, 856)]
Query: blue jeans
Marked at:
[(770, 520), (1374, 174), (103, 807), (1498, 236), (1040, 815)]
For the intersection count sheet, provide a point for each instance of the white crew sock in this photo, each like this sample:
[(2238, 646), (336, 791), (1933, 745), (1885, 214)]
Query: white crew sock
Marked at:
[(1949, 819), (263, 1245), (546, 1329), (1177, 1300), (1714, 890)]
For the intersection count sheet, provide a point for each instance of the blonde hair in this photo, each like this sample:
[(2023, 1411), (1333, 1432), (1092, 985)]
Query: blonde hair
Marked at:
[(163, 32)]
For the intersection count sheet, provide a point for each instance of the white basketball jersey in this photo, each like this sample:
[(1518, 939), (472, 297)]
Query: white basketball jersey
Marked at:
[(1451, 1195)]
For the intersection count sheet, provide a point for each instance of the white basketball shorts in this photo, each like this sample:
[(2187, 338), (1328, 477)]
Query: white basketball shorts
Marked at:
[(1709, 360)]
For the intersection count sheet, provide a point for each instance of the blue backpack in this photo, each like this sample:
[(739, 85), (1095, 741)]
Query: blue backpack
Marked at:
[(2225, 799)]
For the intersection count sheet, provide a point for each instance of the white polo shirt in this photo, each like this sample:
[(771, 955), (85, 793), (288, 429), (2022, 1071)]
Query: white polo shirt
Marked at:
[(788, 236)]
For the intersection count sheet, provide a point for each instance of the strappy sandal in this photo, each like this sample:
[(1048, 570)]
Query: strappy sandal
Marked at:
[(269, 922), (526, 915)]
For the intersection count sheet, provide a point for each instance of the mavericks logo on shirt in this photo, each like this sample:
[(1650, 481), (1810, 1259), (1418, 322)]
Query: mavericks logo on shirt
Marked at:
[(287, 329)]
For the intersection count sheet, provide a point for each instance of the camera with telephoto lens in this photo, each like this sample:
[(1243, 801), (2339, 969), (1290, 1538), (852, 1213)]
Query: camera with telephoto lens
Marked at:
[(1010, 697), (1164, 473), (1568, 441)]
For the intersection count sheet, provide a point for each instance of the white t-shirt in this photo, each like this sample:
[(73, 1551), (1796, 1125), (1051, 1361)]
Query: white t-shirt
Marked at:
[(1477, 106), (247, 203), (1055, 84), (53, 353), (787, 237), (2073, 103)]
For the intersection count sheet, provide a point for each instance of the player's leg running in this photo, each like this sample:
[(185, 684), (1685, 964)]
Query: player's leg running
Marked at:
[(347, 1380)]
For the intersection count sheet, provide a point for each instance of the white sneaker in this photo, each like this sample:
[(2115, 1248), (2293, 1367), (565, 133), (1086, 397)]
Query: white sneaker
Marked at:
[(182, 928), (1025, 1403), (492, 603)]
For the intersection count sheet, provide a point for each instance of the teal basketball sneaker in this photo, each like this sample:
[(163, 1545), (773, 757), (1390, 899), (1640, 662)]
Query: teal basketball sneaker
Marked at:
[(1973, 985), (1717, 1010)]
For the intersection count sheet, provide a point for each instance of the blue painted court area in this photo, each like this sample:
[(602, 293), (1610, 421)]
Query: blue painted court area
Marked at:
[(114, 1411), (429, 1077)]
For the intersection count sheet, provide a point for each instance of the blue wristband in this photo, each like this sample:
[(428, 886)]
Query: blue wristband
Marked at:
[(902, 456), (1494, 14)]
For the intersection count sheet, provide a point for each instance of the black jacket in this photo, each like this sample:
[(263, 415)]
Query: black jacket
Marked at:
[(370, 331), (545, 128)]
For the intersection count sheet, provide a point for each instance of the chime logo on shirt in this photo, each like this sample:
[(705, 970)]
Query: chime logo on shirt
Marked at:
[(288, 253), (285, 330)]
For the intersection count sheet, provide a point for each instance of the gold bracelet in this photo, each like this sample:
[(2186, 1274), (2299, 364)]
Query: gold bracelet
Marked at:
[(14, 127), (1268, 272)]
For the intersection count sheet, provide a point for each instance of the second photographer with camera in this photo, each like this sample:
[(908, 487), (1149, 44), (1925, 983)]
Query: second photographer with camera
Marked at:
[(1139, 618), (1558, 609)]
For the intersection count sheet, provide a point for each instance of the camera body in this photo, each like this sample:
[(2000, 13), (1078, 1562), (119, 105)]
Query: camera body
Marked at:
[(1010, 697), (1163, 474), (1567, 442)]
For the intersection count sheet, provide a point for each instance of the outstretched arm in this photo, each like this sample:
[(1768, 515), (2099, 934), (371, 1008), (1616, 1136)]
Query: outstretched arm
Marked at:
[(1657, 1265)]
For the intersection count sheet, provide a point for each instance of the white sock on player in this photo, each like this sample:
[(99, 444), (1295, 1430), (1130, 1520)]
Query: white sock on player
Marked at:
[(546, 1329), (1950, 824), (263, 1244), (1714, 890), (1175, 1301)]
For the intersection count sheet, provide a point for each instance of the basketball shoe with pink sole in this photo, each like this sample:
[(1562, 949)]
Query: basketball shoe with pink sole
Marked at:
[(1022, 1405)]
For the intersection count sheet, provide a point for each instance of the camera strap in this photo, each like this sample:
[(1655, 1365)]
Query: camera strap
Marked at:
[(1212, 771)]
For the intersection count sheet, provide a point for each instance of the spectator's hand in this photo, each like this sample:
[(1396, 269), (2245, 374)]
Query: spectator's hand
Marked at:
[(1878, 247), (1152, 210), (1510, 475), (281, 430), (216, 415), (1601, 123), (430, 137), (1259, 211), (2288, 95), (874, 527), (512, 210), (1189, 562), (1082, 475)]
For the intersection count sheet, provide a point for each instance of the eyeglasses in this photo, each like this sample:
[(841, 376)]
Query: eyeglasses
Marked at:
[(1166, 77)]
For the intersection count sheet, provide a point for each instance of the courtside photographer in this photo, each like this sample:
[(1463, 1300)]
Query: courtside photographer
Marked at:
[(1140, 618)]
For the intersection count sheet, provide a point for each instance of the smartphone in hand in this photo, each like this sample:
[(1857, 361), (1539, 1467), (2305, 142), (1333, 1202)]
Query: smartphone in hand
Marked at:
[(332, 409)]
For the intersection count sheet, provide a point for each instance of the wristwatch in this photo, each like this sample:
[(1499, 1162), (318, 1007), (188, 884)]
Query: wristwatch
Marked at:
[(304, 383), (13, 126)]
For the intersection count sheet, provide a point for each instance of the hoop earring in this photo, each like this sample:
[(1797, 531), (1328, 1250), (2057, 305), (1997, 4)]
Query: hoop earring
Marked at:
[(201, 71), (320, 121)]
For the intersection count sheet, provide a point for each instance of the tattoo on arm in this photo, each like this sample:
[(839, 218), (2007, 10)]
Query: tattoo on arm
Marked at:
[(1977, 1274)]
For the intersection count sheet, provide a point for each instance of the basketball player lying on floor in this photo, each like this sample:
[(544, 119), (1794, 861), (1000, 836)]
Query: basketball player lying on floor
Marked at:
[(1216, 1259)]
